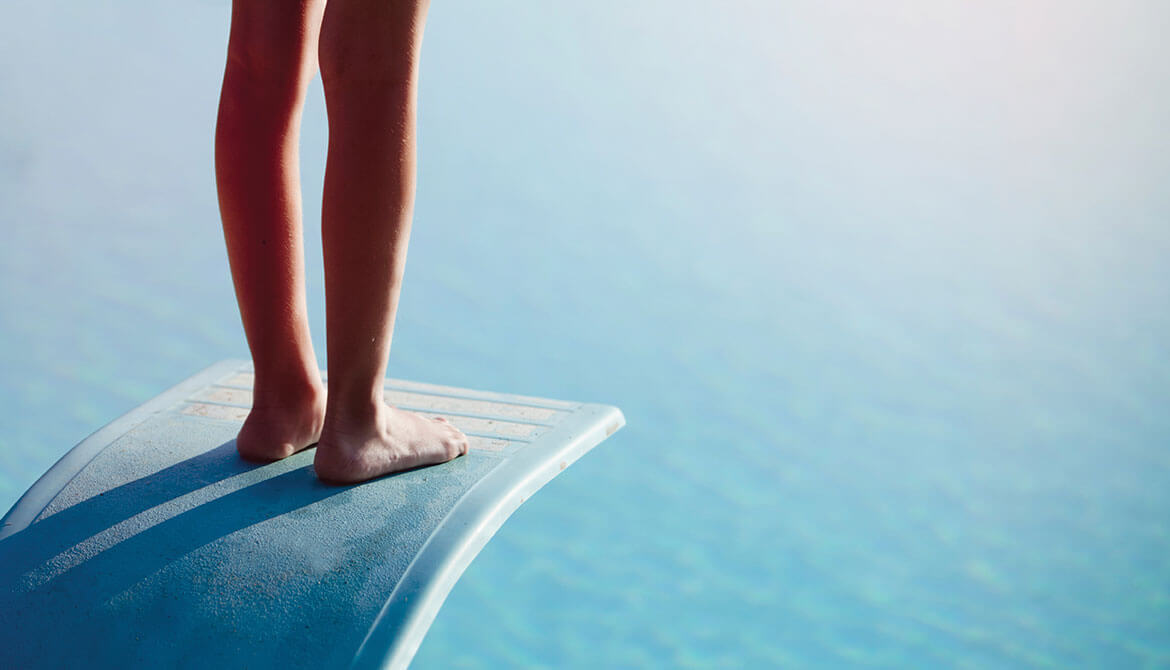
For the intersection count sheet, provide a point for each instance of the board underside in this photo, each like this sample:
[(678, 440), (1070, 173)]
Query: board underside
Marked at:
[(152, 544)]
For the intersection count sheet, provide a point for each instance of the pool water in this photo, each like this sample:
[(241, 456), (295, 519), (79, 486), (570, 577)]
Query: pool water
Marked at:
[(882, 290)]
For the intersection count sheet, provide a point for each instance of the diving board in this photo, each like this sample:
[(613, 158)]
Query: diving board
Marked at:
[(152, 544)]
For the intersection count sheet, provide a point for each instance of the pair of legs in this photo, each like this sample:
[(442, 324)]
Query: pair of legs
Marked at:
[(367, 52)]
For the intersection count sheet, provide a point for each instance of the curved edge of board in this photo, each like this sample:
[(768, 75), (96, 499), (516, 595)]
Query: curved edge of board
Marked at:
[(399, 628), (41, 493), (402, 623)]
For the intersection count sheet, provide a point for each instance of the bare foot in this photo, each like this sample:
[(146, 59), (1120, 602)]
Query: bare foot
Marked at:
[(391, 440), (275, 431)]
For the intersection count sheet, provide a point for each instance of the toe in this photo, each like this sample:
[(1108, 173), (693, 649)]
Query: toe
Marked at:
[(459, 442), (453, 444)]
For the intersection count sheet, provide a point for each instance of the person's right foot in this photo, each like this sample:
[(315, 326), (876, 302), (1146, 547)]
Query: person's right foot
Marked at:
[(390, 440)]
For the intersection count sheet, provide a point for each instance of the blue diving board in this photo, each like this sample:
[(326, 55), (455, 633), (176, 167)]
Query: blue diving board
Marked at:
[(152, 544)]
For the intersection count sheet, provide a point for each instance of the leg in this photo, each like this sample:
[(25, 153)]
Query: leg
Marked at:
[(271, 59), (369, 67)]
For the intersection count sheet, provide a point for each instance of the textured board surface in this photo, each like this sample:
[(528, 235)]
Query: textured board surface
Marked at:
[(153, 544)]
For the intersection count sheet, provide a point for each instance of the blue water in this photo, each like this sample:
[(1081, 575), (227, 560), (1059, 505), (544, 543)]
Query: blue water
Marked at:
[(882, 288)]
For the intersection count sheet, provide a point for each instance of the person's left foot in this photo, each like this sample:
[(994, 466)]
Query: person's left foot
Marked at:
[(272, 432)]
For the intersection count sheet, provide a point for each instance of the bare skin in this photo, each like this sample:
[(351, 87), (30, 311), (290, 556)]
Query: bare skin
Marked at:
[(368, 55)]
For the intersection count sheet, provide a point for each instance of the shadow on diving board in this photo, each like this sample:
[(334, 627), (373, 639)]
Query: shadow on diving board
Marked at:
[(153, 544)]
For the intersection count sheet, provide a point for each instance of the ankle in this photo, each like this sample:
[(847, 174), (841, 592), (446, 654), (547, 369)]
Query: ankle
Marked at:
[(300, 393), (354, 409)]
